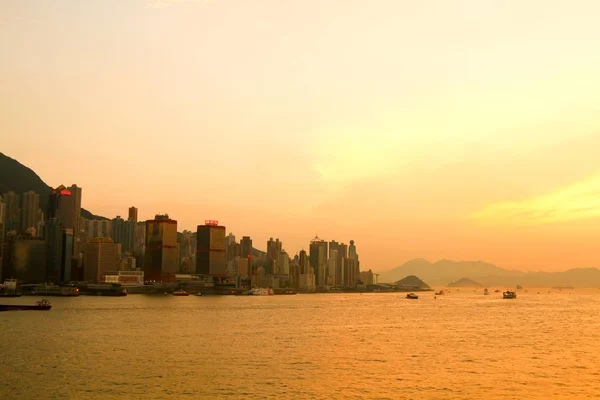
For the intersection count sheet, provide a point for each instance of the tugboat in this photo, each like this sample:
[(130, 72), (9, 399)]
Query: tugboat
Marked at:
[(412, 296), (509, 295), (42, 305), (180, 292)]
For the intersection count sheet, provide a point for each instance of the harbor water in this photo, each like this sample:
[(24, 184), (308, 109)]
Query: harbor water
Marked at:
[(461, 345)]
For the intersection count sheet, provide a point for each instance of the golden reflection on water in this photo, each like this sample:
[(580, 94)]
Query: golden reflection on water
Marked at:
[(461, 345)]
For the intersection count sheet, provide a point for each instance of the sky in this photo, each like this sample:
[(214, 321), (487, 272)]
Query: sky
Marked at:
[(458, 129)]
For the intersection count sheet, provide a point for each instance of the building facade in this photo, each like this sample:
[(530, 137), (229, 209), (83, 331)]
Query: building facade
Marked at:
[(161, 250), (210, 250)]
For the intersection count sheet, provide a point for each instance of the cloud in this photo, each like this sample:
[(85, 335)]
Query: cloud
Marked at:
[(575, 202)]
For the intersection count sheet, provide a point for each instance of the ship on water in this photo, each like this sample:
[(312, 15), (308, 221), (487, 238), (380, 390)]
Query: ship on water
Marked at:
[(103, 289), (42, 305), (9, 289)]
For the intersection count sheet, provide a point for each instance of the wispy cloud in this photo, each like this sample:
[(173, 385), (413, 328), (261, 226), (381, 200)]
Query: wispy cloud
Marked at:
[(574, 202)]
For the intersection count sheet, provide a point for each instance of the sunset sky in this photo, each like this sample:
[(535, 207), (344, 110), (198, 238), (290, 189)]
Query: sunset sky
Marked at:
[(460, 129)]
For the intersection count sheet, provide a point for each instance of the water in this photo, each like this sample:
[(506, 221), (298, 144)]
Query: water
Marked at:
[(325, 346)]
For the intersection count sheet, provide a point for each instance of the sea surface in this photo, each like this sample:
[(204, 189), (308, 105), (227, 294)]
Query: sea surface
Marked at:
[(462, 345)]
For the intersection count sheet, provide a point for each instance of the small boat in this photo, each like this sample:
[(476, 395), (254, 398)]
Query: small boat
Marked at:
[(440, 293), (180, 292), (412, 296), (497, 291), (199, 294), (42, 305), (509, 295), (486, 292)]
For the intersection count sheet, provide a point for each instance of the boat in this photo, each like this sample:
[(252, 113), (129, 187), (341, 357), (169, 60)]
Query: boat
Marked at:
[(486, 292), (42, 305), (103, 289), (509, 295), (9, 289), (262, 292), (199, 294), (497, 291), (412, 296), (180, 292), (440, 293)]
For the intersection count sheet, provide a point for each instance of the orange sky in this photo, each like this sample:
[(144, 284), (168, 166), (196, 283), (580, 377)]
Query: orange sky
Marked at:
[(461, 129)]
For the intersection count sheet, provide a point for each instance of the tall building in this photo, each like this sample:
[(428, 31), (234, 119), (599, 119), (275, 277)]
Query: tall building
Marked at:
[(273, 253), (133, 214), (101, 257), (53, 234), (30, 203), (65, 204), (318, 260), (123, 232), (11, 221), (2, 225), (210, 250), (24, 258), (160, 258), (351, 267), (341, 251)]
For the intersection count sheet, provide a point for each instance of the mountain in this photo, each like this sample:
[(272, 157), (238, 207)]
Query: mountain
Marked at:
[(464, 282), (443, 271), (412, 282), (19, 178)]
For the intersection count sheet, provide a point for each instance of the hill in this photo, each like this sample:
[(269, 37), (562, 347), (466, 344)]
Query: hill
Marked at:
[(19, 178), (444, 271), (464, 282), (411, 282)]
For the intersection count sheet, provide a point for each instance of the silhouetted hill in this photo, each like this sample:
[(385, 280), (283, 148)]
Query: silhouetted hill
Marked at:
[(19, 178), (444, 271), (412, 282), (464, 282)]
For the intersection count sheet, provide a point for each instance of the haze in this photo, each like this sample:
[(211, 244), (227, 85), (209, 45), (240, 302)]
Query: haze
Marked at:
[(438, 129)]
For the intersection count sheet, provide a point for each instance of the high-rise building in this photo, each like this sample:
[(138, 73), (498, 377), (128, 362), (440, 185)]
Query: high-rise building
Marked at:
[(160, 258), (65, 204), (318, 260), (24, 258), (283, 265), (11, 221), (210, 250), (30, 203), (53, 234), (2, 225), (133, 214), (303, 262), (341, 252), (101, 257), (273, 253), (123, 232)]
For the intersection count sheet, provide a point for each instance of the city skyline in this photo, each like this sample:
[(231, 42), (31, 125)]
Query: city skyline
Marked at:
[(454, 129)]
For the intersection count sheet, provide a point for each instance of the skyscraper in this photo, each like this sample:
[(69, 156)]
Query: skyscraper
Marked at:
[(273, 254), (53, 235), (123, 232), (318, 260), (65, 204), (160, 259), (101, 258), (11, 221), (210, 250), (30, 203), (2, 224), (133, 214)]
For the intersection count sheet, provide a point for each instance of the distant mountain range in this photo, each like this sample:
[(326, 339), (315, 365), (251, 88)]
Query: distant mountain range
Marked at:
[(19, 178), (443, 272)]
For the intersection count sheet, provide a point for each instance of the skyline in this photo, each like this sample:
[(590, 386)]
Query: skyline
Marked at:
[(464, 130)]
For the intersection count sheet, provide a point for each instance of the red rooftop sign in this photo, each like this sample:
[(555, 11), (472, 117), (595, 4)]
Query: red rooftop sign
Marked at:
[(211, 222)]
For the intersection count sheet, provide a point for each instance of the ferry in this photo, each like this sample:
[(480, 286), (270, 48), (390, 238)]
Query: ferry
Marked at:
[(262, 292), (509, 295), (180, 292), (9, 289), (42, 305)]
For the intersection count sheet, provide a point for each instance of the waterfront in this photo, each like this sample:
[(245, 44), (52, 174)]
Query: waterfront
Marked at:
[(351, 346)]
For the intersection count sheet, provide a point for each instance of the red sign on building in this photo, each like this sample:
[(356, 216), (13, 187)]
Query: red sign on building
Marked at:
[(211, 222)]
